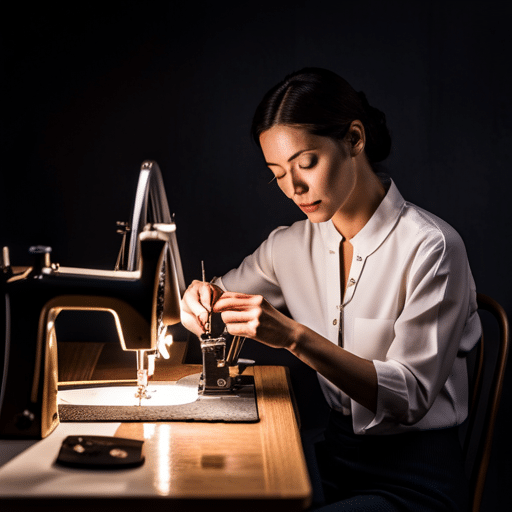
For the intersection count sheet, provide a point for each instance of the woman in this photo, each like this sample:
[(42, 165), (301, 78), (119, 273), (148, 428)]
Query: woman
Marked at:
[(381, 299)]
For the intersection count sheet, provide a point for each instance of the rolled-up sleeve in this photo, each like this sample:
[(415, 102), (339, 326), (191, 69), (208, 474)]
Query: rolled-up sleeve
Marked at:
[(427, 339)]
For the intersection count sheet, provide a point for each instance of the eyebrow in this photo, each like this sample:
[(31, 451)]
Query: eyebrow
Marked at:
[(295, 155)]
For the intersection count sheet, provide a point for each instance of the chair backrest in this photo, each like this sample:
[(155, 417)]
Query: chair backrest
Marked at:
[(485, 399)]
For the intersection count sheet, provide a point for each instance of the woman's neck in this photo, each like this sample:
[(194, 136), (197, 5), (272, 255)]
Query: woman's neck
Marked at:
[(366, 197)]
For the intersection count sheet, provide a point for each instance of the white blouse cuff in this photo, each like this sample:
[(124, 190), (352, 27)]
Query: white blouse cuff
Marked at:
[(392, 401)]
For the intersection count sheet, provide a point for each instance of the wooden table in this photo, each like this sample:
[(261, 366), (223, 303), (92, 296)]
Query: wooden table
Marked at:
[(189, 465)]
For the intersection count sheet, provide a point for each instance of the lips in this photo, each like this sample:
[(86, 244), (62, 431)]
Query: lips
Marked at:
[(310, 207)]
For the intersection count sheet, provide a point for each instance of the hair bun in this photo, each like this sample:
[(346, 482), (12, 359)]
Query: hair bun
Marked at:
[(378, 138)]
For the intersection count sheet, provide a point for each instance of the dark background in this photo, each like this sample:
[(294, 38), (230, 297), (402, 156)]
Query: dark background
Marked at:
[(90, 91)]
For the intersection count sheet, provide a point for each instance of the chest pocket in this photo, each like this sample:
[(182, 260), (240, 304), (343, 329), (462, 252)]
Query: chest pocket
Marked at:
[(372, 337)]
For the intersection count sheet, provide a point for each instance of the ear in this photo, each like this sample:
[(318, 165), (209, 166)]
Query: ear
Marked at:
[(356, 137)]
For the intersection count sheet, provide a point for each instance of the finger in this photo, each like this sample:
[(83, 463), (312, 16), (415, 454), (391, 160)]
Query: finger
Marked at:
[(205, 293), (237, 316), (209, 294), (236, 301), (238, 295), (196, 306), (191, 301), (192, 323), (240, 329)]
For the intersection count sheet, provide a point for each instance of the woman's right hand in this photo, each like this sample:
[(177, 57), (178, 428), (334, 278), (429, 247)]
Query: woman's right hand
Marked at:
[(197, 304)]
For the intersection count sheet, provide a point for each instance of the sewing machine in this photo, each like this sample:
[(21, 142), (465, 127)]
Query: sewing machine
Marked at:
[(142, 294)]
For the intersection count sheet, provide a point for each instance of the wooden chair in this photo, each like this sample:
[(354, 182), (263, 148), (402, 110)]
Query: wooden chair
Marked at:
[(484, 397)]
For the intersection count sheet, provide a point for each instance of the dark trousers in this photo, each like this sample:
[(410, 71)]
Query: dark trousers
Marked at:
[(415, 471)]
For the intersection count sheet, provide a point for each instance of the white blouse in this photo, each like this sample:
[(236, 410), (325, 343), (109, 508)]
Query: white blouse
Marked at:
[(409, 306)]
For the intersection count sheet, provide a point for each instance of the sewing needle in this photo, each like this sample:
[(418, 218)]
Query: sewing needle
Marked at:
[(207, 326)]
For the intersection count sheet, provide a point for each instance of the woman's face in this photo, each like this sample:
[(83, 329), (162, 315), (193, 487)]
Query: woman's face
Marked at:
[(317, 173)]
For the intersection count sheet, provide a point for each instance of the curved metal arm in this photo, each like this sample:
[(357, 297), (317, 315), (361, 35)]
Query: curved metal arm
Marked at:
[(151, 206)]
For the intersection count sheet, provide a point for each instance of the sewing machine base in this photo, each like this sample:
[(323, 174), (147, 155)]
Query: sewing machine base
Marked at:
[(238, 406)]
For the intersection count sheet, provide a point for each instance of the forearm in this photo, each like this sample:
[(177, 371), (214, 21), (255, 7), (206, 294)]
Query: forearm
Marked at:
[(252, 316), (354, 375)]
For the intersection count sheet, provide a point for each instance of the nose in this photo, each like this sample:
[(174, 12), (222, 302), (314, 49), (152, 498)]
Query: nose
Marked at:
[(299, 184), (296, 185)]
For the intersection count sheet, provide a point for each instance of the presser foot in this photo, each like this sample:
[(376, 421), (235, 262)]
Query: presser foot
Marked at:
[(142, 393), (142, 388)]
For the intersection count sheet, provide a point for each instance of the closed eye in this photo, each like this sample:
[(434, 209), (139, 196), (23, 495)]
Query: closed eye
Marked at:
[(308, 161), (275, 177)]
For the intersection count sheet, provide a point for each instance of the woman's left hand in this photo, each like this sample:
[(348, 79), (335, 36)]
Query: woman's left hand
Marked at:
[(253, 317)]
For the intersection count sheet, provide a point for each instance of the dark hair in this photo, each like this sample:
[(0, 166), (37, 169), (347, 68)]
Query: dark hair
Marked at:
[(325, 104)]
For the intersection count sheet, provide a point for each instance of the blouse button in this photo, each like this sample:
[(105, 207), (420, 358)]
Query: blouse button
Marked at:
[(335, 321), (352, 282), (358, 258)]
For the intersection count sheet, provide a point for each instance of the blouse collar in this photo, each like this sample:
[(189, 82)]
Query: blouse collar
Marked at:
[(376, 230)]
